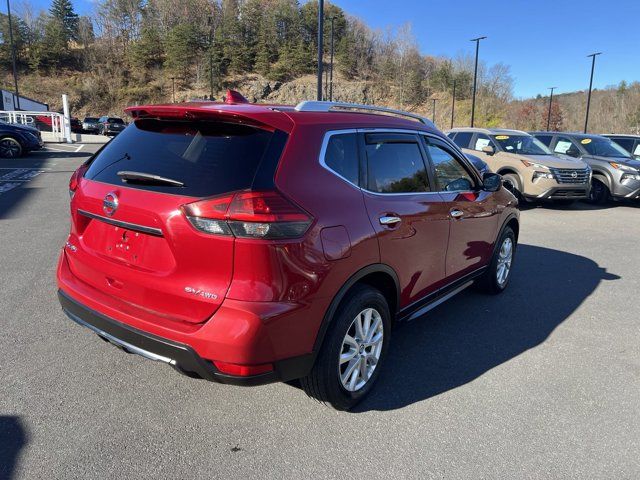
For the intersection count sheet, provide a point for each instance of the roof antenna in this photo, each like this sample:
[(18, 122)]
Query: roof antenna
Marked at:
[(234, 97)]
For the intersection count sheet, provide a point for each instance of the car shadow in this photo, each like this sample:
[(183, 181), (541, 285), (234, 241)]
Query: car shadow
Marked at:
[(472, 333), (13, 438)]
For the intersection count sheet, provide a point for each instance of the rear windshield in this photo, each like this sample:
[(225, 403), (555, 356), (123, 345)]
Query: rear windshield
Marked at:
[(209, 158), (115, 120), (91, 120)]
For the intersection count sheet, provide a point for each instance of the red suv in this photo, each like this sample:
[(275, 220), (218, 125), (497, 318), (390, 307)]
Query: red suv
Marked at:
[(247, 244)]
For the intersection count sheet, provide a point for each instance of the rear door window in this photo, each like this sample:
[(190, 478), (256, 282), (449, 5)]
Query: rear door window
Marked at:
[(395, 164), (463, 139), (626, 143), (546, 139), (209, 158), (341, 156)]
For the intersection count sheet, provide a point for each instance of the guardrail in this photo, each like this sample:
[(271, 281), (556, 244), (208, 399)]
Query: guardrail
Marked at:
[(51, 122)]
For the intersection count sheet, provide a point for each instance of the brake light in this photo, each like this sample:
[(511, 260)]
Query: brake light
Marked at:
[(248, 214), (243, 370), (74, 181)]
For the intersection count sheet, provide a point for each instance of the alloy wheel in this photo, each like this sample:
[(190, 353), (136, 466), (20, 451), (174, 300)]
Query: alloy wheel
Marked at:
[(361, 349), (505, 256), (9, 148)]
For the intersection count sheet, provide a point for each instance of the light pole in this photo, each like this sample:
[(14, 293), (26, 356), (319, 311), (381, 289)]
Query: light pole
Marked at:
[(320, 46), (593, 66), (210, 22), (173, 88), (550, 102), (13, 58), (475, 79), (453, 102), (433, 110), (331, 64)]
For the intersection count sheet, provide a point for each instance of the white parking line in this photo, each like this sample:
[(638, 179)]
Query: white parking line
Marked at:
[(80, 147)]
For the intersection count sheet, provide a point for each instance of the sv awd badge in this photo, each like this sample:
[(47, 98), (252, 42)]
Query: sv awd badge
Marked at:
[(200, 293)]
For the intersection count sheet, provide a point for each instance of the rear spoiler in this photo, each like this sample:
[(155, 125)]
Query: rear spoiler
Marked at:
[(246, 114)]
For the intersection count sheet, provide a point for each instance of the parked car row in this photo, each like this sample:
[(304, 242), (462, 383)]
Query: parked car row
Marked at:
[(557, 166), (105, 125)]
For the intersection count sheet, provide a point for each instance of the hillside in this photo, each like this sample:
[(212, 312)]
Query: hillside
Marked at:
[(129, 53)]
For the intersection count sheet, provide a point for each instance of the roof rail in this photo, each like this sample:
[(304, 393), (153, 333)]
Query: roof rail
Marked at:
[(318, 106)]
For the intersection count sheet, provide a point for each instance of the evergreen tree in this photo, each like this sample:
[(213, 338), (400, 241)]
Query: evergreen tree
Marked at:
[(182, 49), (62, 10)]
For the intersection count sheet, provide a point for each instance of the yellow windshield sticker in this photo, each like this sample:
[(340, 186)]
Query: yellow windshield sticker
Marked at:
[(502, 137), (585, 141)]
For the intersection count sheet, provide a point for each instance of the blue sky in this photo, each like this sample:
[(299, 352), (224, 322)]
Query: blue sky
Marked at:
[(545, 42)]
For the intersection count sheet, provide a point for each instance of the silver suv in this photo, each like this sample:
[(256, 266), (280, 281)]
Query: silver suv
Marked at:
[(615, 172)]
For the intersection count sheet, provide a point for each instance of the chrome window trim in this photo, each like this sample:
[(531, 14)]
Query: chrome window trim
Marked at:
[(329, 133)]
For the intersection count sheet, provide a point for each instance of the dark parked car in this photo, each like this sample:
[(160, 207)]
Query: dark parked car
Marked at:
[(18, 140), (110, 125), (90, 125), (631, 143), (247, 244)]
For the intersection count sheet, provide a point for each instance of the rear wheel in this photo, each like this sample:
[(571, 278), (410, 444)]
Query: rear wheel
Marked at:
[(599, 194), (496, 278), (10, 148), (353, 350)]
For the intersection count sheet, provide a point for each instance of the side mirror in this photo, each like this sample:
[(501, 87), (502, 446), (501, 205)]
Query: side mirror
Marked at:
[(488, 150), (572, 152), (491, 182)]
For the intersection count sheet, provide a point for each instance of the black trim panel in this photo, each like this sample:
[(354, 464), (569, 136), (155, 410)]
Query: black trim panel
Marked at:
[(181, 356), (118, 223)]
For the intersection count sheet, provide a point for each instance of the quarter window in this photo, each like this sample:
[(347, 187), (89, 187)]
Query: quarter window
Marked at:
[(395, 167), (450, 174), (341, 156)]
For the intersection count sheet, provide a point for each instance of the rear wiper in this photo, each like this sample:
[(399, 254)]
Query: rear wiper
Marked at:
[(148, 178)]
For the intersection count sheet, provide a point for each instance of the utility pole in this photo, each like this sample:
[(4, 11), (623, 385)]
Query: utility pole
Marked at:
[(453, 102), (173, 88), (320, 46), (593, 66), (475, 79), (331, 67), (13, 58), (550, 102)]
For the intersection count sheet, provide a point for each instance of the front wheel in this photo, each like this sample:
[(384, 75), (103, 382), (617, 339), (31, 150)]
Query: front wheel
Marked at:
[(353, 351), (497, 276), (599, 194), (511, 182), (10, 148)]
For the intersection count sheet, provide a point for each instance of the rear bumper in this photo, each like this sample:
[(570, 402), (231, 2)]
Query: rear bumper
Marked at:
[(178, 355)]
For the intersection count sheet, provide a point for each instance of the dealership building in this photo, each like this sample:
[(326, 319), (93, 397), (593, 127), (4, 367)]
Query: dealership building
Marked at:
[(8, 103)]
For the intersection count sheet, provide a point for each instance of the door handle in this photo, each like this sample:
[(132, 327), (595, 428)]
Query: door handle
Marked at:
[(389, 220), (455, 213)]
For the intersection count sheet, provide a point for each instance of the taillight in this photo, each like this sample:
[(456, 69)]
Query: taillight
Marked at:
[(75, 179), (247, 214)]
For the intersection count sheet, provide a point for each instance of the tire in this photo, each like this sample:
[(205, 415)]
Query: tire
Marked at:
[(324, 382), (491, 282), (512, 183), (10, 148), (599, 194)]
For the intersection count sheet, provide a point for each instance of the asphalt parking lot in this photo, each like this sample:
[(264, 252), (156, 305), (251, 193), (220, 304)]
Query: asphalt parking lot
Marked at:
[(540, 382)]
